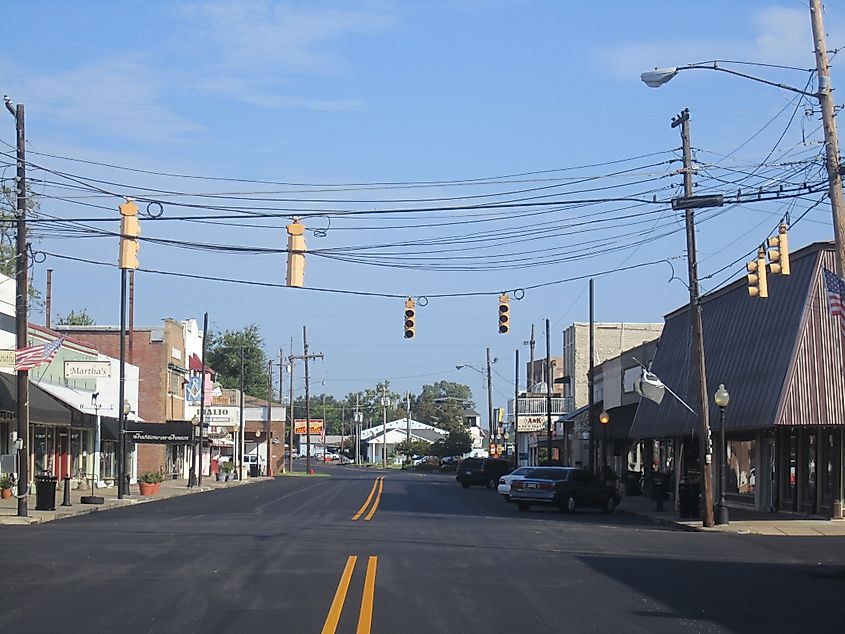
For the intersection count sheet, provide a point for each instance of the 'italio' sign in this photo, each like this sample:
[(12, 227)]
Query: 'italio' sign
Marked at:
[(87, 369)]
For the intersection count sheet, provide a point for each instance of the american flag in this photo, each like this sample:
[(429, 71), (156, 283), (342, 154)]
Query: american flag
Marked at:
[(835, 295), (33, 356)]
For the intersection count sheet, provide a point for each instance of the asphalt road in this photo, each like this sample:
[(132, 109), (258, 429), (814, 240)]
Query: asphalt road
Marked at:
[(309, 555)]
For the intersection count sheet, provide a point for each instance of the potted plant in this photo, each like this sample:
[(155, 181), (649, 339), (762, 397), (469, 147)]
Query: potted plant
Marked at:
[(150, 482), (228, 470), (6, 486)]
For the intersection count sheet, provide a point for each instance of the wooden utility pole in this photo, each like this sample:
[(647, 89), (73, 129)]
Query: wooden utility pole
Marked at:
[(837, 201), (490, 399), (548, 395), (590, 384), (21, 307), (291, 414), (516, 410), (202, 394), (305, 357), (269, 470), (529, 382), (48, 304), (699, 372)]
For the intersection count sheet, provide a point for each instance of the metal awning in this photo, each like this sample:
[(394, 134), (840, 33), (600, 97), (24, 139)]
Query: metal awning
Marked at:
[(44, 409)]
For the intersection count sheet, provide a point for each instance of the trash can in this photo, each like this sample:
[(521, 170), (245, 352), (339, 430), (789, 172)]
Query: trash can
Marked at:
[(631, 480), (45, 492), (688, 496), (253, 471)]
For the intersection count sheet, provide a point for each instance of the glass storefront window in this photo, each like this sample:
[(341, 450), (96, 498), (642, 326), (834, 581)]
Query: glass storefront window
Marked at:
[(808, 483), (742, 469)]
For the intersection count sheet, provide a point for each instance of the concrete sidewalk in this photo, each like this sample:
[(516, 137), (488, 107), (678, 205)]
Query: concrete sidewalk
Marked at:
[(169, 489), (742, 520)]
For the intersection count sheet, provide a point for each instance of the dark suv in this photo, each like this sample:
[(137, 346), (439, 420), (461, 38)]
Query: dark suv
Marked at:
[(486, 471)]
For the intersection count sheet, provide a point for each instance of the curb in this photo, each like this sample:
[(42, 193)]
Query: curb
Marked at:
[(663, 521), (85, 509)]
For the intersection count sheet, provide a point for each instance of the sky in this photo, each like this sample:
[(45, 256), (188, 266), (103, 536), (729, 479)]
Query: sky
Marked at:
[(388, 126)]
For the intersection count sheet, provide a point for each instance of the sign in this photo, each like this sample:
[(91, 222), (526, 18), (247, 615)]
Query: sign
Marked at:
[(222, 416), (170, 433), (87, 369), (7, 358), (531, 423), (193, 390), (316, 426)]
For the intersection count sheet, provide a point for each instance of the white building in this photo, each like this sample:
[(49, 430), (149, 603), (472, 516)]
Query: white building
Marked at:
[(380, 438)]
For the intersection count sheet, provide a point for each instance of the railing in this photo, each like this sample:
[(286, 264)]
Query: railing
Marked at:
[(532, 406)]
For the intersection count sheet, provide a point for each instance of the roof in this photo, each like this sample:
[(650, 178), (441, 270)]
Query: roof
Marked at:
[(751, 346)]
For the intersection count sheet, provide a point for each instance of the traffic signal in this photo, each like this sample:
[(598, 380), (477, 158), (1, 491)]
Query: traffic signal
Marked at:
[(504, 314), (410, 318), (779, 253), (296, 253), (130, 229), (757, 286)]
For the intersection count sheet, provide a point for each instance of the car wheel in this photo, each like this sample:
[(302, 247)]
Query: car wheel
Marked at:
[(523, 506), (465, 485), (491, 483), (609, 505), (568, 504)]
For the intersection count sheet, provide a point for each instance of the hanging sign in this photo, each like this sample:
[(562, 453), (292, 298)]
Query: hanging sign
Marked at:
[(87, 369)]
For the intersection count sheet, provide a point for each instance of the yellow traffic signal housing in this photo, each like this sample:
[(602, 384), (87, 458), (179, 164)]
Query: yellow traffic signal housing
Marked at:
[(757, 284), (504, 314), (779, 253), (130, 229), (296, 254), (410, 318)]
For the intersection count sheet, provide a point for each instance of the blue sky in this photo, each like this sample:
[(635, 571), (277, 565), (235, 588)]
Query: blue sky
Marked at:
[(329, 93)]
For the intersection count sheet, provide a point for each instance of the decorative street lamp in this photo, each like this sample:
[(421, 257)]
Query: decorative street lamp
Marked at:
[(604, 419), (722, 398)]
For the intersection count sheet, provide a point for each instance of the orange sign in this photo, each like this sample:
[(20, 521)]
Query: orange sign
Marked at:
[(316, 426)]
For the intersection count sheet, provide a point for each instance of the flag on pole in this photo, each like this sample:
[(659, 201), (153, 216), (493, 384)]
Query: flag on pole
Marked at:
[(835, 296), (33, 356)]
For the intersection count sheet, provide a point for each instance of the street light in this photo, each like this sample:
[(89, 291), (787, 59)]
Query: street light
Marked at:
[(489, 375), (722, 398), (123, 487), (604, 419)]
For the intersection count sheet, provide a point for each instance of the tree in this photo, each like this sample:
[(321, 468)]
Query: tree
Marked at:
[(370, 405), (8, 231), (413, 448), (224, 355), (442, 404), (82, 318), (457, 443)]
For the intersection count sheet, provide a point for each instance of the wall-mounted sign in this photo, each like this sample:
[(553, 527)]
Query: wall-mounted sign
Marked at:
[(159, 433), (222, 416), (87, 369), (7, 358), (193, 390), (531, 423), (316, 426)]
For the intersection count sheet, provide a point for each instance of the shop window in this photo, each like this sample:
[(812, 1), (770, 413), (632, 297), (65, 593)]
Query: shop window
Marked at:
[(743, 470)]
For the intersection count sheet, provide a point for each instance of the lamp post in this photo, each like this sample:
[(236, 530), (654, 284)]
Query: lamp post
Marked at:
[(123, 488), (722, 398), (604, 419)]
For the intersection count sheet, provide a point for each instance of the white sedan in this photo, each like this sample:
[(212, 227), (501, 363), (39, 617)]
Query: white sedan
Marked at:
[(504, 487)]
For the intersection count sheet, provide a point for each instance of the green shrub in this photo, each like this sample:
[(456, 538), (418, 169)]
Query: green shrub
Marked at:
[(5, 481), (152, 477)]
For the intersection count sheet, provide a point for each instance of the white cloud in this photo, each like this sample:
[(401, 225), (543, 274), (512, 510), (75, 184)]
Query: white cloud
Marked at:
[(776, 35), (250, 49)]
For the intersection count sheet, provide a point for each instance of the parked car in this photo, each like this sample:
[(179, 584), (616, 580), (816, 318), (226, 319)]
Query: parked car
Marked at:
[(506, 480), (483, 471), (449, 463), (564, 487)]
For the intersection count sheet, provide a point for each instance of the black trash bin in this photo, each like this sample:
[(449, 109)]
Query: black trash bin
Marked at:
[(253, 471), (45, 492), (688, 499)]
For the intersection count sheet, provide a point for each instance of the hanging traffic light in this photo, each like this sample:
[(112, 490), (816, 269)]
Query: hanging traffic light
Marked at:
[(779, 253), (296, 253), (504, 314), (130, 229), (757, 285), (410, 318)]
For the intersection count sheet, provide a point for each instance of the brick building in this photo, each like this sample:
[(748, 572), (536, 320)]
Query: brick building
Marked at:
[(159, 353)]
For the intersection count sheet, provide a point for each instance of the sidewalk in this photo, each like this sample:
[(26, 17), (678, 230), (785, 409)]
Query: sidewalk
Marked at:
[(742, 520), (169, 489)]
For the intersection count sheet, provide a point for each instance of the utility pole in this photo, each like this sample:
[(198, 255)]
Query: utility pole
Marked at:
[(590, 383), (516, 410), (530, 374), (408, 416), (268, 471), (21, 307), (384, 425), (682, 120), (287, 411), (305, 357), (324, 422), (241, 435), (548, 396), (291, 415), (202, 393), (837, 201), (490, 421), (359, 419)]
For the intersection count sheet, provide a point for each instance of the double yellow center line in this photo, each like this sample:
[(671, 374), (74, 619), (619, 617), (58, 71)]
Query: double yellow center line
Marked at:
[(378, 485), (365, 616)]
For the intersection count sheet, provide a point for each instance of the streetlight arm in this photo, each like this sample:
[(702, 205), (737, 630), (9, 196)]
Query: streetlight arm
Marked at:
[(731, 71)]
